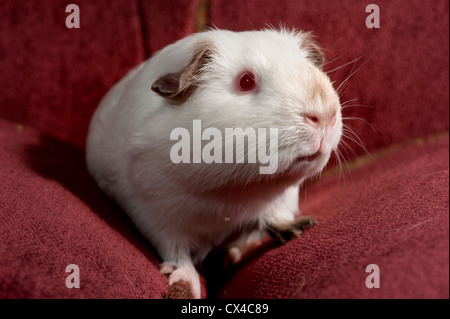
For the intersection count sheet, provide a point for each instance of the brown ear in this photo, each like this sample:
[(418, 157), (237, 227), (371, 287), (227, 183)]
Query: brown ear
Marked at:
[(181, 84), (315, 53)]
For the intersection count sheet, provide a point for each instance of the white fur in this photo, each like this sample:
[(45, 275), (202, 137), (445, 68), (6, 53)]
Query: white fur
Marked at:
[(186, 210)]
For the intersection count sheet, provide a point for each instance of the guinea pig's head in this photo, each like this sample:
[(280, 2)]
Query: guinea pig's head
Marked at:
[(261, 80)]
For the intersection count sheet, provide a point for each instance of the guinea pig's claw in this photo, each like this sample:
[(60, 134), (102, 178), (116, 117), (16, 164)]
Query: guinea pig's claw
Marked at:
[(184, 283), (290, 230), (179, 290)]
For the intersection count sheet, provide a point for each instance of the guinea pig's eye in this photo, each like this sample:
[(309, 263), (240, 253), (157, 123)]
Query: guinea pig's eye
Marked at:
[(247, 82)]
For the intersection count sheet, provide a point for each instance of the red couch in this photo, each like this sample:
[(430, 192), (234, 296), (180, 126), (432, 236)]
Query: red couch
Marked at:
[(391, 209)]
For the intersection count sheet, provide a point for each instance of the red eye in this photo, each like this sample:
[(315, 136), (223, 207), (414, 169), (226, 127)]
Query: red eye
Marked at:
[(247, 82)]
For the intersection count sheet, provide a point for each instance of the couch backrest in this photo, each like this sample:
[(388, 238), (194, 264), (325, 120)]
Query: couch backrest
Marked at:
[(404, 63), (53, 77)]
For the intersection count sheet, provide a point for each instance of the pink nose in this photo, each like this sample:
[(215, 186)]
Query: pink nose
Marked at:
[(316, 120)]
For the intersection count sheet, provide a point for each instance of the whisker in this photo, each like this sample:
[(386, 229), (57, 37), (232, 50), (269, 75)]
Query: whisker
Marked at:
[(357, 140), (345, 80), (349, 101), (331, 61), (328, 47), (347, 146), (339, 164), (345, 161), (338, 155), (339, 67), (354, 118), (352, 105), (353, 72)]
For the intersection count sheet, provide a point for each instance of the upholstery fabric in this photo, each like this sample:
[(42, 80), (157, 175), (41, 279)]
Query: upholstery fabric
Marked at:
[(392, 212), (402, 71)]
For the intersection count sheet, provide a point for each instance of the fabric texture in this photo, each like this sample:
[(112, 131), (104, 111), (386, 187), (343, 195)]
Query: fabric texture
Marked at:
[(53, 215), (402, 67), (53, 77), (393, 212)]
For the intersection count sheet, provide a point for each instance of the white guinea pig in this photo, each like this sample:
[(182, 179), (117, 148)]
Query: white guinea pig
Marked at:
[(269, 79)]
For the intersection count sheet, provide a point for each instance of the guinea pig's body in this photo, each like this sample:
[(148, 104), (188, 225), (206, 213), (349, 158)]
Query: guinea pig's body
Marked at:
[(187, 209)]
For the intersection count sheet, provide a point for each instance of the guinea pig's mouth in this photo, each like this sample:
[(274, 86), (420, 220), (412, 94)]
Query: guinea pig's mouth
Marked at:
[(308, 158), (301, 163)]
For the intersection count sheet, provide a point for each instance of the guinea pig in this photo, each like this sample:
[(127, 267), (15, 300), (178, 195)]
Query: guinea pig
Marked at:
[(267, 81)]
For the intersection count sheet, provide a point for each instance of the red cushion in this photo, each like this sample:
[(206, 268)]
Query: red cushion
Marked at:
[(393, 213), (163, 22), (53, 215), (53, 77)]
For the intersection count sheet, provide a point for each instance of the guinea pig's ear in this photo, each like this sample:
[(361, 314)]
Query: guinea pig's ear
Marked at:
[(182, 84), (315, 53)]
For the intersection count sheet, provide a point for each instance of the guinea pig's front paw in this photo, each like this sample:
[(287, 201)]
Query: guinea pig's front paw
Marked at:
[(167, 267), (292, 229), (237, 253), (184, 282)]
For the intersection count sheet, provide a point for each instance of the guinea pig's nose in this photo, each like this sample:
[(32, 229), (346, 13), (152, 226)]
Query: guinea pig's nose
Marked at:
[(316, 120)]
